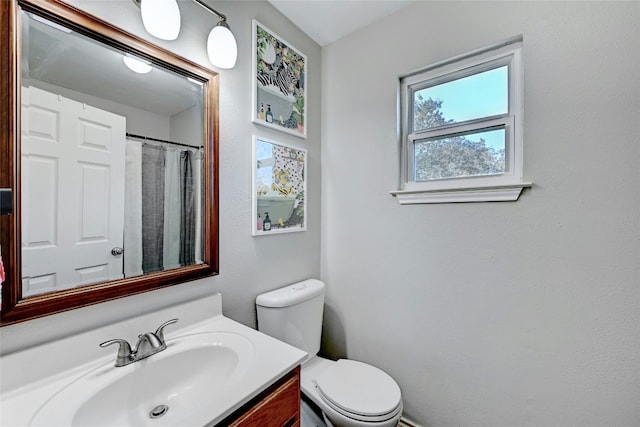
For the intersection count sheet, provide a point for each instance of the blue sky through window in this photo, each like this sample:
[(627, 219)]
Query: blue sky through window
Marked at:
[(480, 95)]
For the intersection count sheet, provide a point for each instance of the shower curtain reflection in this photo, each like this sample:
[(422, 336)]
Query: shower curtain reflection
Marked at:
[(153, 202), (187, 209), (163, 218)]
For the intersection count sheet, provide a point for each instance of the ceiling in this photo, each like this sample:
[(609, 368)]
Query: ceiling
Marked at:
[(326, 21)]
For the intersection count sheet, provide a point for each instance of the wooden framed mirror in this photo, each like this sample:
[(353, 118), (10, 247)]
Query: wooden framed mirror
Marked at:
[(113, 172)]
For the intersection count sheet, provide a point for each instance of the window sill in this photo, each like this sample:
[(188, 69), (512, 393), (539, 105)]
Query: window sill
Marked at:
[(498, 193)]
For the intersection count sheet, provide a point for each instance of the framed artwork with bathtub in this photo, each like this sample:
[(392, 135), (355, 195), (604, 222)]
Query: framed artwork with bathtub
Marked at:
[(279, 188), (279, 83)]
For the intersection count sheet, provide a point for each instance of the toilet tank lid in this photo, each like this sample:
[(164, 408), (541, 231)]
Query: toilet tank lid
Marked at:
[(292, 294)]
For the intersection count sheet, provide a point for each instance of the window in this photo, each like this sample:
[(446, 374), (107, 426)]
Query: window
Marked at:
[(461, 123)]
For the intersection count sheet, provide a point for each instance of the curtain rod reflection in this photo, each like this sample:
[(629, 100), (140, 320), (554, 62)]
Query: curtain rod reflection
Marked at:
[(148, 138)]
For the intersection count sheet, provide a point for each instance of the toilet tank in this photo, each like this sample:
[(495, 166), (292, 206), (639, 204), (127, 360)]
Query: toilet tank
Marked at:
[(293, 314)]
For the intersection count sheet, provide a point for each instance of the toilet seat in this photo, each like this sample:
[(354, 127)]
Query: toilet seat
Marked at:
[(359, 391)]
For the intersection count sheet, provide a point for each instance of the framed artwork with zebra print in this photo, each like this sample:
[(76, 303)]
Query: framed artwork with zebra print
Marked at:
[(279, 86)]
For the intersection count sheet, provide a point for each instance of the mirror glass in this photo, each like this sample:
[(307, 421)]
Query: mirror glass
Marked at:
[(111, 162), (115, 160)]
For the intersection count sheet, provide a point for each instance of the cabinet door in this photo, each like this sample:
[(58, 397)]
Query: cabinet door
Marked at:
[(279, 407)]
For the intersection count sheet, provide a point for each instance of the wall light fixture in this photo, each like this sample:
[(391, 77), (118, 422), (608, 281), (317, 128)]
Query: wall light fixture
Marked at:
[(221, 44), (136, 65), (161, 18)]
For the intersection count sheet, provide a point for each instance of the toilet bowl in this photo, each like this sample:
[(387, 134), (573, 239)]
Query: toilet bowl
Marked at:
[(349, 393)]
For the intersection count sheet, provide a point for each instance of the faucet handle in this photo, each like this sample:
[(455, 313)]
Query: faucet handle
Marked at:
[(160, 330), (124, 351), (148, 344)]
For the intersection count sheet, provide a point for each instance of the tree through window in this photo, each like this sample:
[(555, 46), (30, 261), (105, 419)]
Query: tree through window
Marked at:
[(458, 155)]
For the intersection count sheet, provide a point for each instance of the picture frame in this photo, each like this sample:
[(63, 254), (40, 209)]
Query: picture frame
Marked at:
[(279, 83), (279, 187)]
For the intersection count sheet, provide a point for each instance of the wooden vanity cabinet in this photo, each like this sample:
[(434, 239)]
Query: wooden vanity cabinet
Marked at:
[(277, 406)]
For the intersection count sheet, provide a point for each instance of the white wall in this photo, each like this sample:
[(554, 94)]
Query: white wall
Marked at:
[(139, 122), (248, 265), (493, 314), (186, 126)]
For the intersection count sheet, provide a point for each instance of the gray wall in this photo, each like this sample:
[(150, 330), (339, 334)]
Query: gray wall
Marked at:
[(493, 314), (248, 265)]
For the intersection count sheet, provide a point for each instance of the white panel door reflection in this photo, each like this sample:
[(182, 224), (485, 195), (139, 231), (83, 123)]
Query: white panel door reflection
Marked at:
[(73, 158)]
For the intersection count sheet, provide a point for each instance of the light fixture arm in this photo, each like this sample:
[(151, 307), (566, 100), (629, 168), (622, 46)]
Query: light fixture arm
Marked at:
[(212, 10)]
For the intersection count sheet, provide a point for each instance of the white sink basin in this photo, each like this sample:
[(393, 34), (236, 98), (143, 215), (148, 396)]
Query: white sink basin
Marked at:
[(158, 391), (212, 366)]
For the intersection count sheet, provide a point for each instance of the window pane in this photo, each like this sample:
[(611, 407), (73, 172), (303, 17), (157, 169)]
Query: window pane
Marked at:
[(462, 155), (480, 95)]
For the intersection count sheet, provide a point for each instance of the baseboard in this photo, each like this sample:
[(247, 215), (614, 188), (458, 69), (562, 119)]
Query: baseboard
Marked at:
[(404, 422)]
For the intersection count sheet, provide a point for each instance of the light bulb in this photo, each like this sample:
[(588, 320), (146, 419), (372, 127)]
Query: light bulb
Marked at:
[(161, 18), (222, 47), (136, 65)]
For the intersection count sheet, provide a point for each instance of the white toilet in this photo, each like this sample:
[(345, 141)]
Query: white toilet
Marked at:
[(349, 393)]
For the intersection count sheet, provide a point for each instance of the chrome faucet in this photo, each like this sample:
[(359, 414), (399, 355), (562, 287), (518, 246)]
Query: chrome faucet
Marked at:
[(148, 344)]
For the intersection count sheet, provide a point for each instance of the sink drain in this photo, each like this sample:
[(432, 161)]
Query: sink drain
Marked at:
[(158, 411)]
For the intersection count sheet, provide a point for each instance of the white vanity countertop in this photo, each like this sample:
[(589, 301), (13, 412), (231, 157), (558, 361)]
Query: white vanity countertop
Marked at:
[(271, 360)]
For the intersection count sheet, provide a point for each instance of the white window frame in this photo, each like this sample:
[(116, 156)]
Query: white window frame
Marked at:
[(506, 186)]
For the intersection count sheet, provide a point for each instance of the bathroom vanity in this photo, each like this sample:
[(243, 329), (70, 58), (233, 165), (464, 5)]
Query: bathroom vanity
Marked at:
[(279, 405), (214, 371)]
